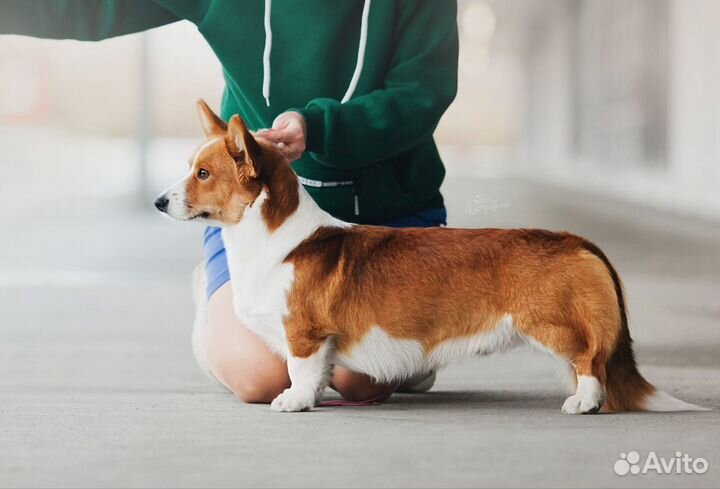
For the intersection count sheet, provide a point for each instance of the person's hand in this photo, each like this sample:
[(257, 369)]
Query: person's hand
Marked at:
[(289, 133)]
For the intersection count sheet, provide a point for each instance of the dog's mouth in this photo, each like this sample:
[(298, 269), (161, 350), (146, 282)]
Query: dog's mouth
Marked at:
[(199, 215)]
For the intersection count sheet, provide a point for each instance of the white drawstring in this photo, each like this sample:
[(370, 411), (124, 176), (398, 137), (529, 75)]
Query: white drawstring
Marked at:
[(361, 53), (266, 54), (358, 65)]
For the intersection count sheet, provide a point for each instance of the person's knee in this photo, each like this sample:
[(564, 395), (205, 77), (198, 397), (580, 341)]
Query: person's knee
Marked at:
[(243, 378), (357, 388), (256, 392), (255, 388), (366, 393), (238, 358)]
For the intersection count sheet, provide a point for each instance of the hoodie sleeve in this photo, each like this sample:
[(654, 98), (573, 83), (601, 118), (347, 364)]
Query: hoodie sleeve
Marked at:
[(419, 86), (84, 20)]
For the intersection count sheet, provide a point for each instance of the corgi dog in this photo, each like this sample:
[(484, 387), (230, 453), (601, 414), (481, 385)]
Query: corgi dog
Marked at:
[(391, 302)]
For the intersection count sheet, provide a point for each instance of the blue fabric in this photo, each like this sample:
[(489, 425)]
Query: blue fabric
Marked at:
[(216, 266), (216, 260), (422, 219)]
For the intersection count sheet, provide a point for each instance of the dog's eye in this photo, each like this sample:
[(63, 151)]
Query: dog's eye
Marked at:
[(203, 174)]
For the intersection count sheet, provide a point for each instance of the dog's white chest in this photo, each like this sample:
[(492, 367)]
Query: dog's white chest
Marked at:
[(261, 279), (260, 284), (261, 304)]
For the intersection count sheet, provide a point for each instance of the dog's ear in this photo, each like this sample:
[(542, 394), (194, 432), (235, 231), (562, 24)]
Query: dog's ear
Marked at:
[(211, 124), (243, 146)]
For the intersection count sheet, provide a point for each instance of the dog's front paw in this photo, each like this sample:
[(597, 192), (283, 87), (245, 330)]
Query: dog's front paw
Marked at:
[(293, 400)]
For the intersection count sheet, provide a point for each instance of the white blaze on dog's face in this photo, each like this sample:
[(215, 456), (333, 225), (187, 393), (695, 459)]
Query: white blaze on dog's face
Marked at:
[(223, 178)]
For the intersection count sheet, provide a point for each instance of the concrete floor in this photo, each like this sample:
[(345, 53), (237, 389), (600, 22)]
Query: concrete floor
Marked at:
[(98, 386)]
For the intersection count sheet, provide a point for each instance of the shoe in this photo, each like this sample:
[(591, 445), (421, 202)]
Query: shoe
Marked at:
[(418, 383)]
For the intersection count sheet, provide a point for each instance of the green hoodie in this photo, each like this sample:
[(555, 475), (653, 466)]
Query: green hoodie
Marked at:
[(381, 139)]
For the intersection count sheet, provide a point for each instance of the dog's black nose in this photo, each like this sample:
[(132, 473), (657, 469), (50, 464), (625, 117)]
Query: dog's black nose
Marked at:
[(161, 203)]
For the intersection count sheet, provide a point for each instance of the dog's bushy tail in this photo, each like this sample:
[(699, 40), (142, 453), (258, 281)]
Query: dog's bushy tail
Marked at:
[(626, 389)]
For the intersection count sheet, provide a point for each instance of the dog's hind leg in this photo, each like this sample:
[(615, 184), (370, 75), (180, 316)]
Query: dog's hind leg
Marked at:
[(590, 394), (586, 361)]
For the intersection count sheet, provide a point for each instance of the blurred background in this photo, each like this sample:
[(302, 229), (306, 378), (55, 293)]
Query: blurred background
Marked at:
[(601, 117), (609, 96)]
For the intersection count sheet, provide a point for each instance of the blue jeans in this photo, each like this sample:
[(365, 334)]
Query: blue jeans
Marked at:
[(216, 260)]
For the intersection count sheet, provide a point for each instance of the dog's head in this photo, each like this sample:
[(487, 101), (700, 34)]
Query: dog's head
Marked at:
[(224, 177)]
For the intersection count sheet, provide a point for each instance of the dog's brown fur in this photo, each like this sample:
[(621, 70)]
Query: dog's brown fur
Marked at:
[(432, 285)]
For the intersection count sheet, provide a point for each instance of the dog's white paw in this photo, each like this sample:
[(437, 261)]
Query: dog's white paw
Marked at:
[(578, 404), (588, 399), (293, 400)]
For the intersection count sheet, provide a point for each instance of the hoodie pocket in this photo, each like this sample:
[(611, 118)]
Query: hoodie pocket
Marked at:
[(338, 201), (379, 195)]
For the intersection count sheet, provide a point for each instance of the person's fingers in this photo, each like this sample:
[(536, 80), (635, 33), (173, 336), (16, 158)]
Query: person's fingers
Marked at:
[(291, 151), (286, 133), (281, 122), (288, 146), (270, 135), (287, 136), (282, 140)]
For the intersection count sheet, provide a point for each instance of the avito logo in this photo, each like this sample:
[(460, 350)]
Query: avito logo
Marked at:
[(681, 463)]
